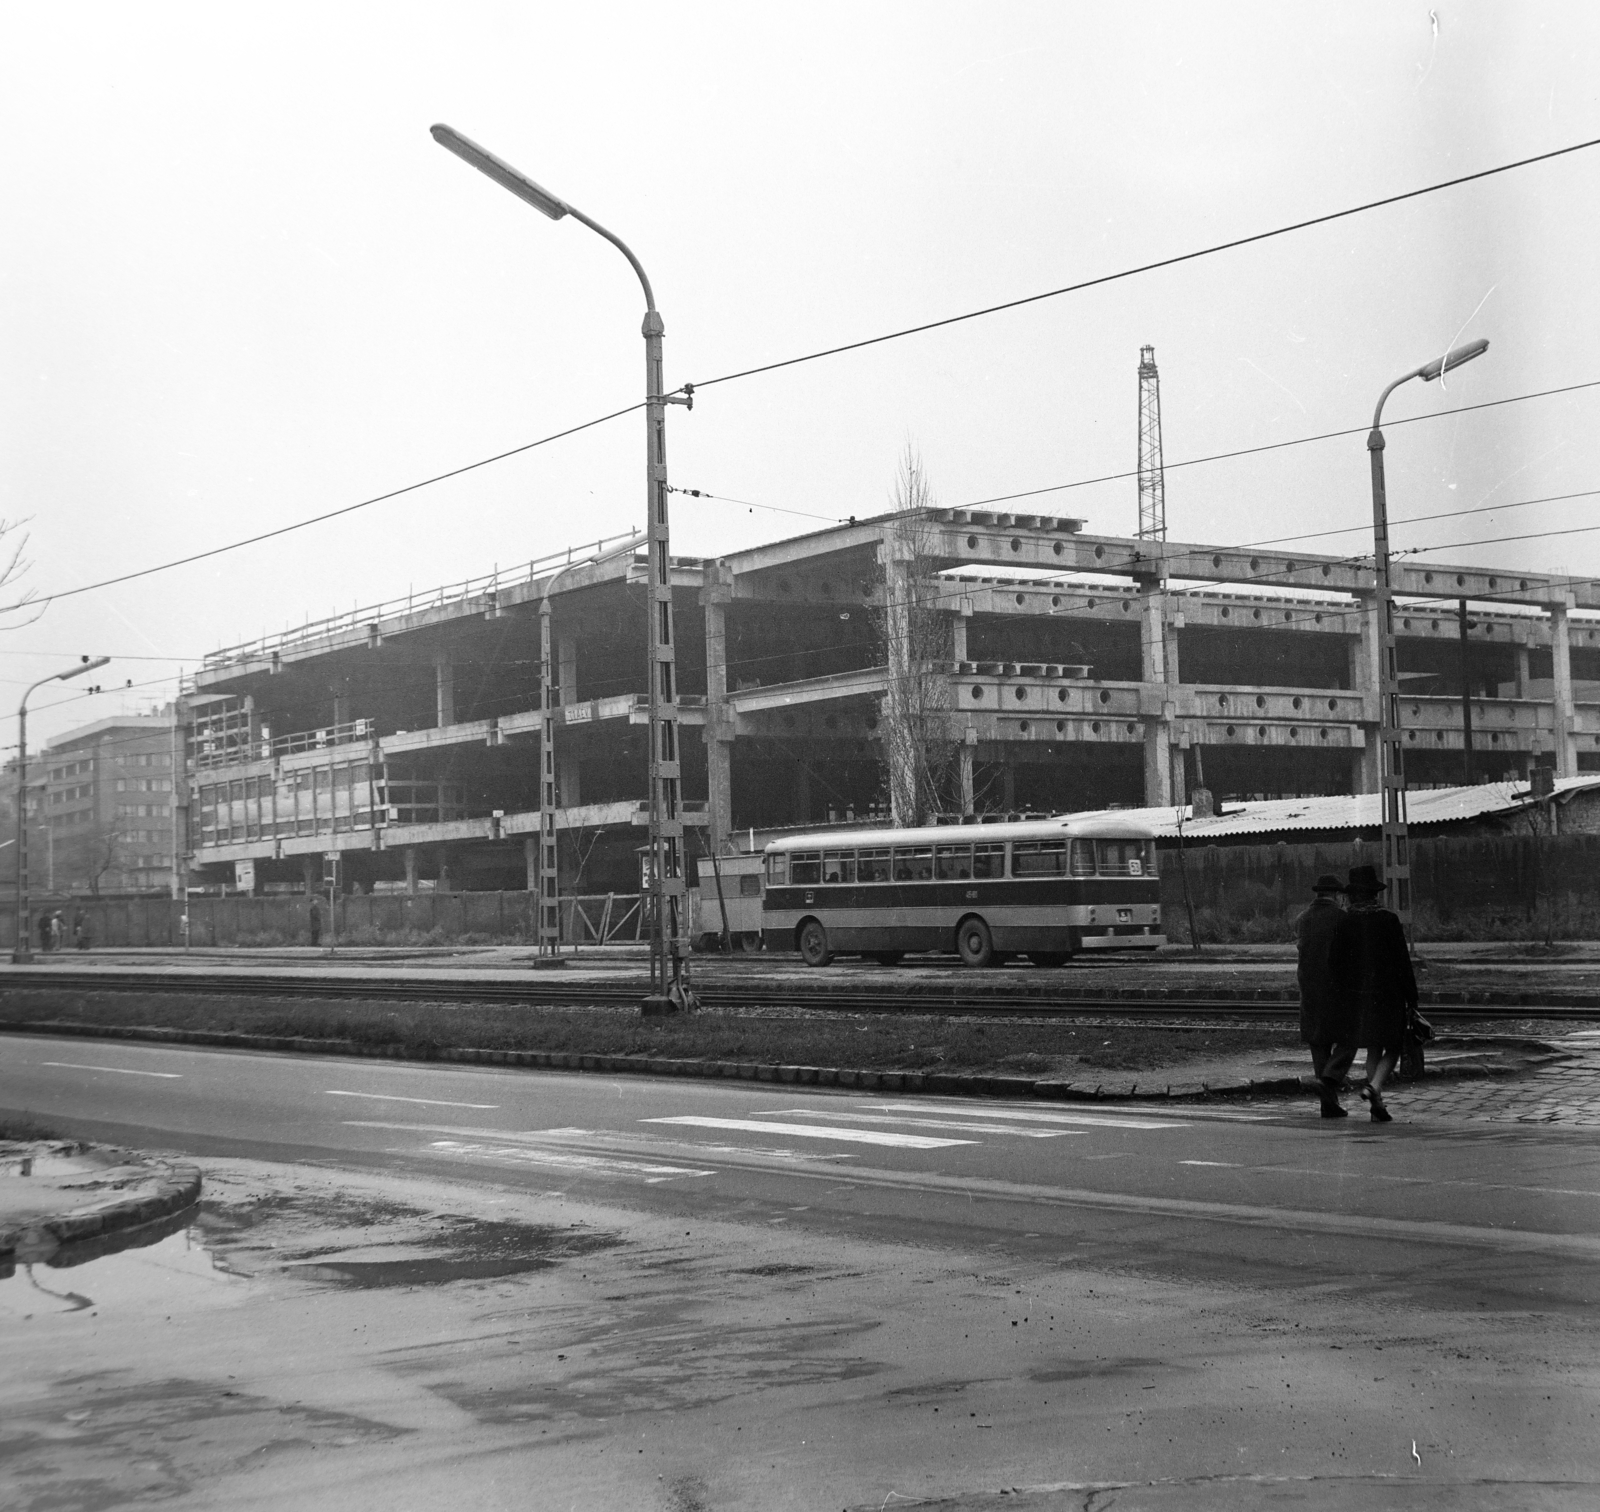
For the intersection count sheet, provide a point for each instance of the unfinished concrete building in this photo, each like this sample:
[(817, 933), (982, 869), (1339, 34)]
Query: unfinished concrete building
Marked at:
[(1064, 671)]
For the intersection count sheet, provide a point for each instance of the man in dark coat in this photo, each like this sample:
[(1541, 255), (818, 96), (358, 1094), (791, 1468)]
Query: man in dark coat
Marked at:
[(1372, 956), (1327, 1015)]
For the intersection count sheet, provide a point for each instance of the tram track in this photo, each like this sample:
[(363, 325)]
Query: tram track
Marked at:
[(1185, 1007)]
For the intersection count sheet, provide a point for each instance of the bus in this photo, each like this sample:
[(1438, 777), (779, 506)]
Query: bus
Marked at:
[(1045, 888)]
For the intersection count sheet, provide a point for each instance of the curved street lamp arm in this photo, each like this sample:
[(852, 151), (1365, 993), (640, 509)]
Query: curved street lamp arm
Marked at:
[(621, 246)]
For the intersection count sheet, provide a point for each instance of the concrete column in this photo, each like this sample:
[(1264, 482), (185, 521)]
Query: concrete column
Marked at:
[(568, 789), (718, 729), (311, 874), (410, 854), (444, 686), (1153, 647), (1523, 654), (1365, 773), (896, 557), (341, 704), (1565, 714), (958, 631), (530, 862), (567, 666)]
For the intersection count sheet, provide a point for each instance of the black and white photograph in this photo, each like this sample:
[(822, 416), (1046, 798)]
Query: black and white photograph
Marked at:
[(800, 758)]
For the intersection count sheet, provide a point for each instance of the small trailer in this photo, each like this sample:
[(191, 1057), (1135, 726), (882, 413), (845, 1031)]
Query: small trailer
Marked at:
[(741, 876)]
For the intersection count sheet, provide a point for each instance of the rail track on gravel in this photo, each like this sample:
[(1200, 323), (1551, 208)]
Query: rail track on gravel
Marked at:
[(1178, 1007)]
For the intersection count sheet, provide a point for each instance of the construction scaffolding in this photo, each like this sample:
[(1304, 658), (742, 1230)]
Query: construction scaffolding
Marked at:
[(1152, 479)]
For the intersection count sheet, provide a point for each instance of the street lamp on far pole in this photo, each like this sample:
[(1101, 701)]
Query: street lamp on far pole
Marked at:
[(669, 965), (23, 953), (1391, 756)]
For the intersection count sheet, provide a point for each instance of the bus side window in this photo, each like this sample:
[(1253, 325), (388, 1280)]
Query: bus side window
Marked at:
[(913, 865), (873, 866), (988, 861), (1039, 858), (777, 869), (749, 887), (952, 863), (838, 866), (1083, 858), (805, 868)]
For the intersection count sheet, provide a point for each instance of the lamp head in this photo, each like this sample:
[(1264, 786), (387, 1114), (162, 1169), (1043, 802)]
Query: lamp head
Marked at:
[(85, 664), (1452, 359), (502, 173)]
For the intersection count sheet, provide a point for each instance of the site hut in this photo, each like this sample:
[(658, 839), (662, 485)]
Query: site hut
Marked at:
[(1053, 669)]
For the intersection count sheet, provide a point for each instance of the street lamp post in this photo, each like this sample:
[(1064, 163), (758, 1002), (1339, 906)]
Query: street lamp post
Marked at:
[(1391, 756), (24, 952), (669, 967)]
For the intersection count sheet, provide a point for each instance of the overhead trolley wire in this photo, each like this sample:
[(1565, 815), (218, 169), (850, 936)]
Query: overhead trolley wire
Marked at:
[(1125, 273), (1149, 267)]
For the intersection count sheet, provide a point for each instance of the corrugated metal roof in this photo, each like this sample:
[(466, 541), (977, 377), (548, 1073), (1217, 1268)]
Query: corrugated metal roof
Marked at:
[(1425, 806)]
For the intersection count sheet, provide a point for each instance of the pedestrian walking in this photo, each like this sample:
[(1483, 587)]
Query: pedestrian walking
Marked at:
[(1372, 956), (1327, 1012), (57, 929), (315, 920), (80, 929)]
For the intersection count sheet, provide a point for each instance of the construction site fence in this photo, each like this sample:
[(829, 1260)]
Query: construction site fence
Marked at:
[(1496, 886)]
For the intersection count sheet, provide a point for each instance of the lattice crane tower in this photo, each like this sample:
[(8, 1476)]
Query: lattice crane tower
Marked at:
[(1152, 478)]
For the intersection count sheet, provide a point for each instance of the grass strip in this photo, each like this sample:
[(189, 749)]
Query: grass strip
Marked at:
[(875, 1042)]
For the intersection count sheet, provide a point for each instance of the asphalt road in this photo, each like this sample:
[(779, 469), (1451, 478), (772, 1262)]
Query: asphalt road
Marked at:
[(1416, 1233)]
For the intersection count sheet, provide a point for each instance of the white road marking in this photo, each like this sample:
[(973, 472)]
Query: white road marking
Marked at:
[(633, 1144), (808, 1131), (927, 1123), (1232, 1165), (431, 1102), (1094, 1120), (119, 1070), (568, 1160)]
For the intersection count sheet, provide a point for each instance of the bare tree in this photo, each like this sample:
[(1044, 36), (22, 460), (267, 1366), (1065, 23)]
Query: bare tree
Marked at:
[(85, 858), (916, 727), (13, 566)]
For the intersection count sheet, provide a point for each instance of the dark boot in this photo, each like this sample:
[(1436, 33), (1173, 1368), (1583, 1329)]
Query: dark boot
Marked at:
[(1330, 1098)]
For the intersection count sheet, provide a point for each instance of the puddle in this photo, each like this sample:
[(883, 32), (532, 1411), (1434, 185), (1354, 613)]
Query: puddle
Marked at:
[(154, 1267), (466, 1249)]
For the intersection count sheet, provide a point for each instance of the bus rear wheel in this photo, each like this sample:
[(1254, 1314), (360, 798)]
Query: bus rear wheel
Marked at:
[(1049, 957), (974, 943), (814, 949), (885, 957)]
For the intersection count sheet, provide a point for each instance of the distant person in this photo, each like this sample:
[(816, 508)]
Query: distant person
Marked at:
[(1327, 1013), (1371, 955), (80, 929), (44, 931), (315, 920)]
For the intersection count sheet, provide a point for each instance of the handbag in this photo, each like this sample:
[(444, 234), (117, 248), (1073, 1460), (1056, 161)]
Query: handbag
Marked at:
[(1416, 1034)]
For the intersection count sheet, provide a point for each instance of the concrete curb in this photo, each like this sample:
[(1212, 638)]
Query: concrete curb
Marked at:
[(938, 1083), (175, 1188)]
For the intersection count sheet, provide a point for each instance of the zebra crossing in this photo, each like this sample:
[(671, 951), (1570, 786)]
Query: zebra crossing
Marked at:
[(695, 1146)]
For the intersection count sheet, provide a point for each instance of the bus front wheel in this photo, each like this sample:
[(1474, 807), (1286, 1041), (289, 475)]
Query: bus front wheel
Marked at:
[(974, 944), (814, 949)]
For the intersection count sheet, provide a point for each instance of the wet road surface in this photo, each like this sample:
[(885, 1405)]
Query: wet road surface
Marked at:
[(1184, 1261)]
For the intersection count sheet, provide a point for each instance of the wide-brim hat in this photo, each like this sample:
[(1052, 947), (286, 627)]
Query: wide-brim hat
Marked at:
[(1365, 881), (1327, 883)]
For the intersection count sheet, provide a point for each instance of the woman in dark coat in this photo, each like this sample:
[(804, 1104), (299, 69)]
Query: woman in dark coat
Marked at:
[(1327, 1016), (1372, 958)]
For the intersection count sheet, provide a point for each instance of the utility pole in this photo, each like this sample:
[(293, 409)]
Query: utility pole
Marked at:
[(1152, 477)]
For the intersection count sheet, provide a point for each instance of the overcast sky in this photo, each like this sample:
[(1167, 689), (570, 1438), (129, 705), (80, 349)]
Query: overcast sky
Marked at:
[(241, 285)]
